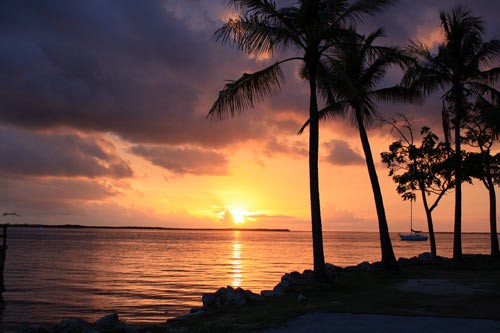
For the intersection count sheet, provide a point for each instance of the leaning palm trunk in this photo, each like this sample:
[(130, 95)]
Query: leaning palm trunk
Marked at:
[(430, 224), (457, 232), (388, 258), (317, 232), (495, 251)]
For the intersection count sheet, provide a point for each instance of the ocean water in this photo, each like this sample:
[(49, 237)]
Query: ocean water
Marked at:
[(148, 276)]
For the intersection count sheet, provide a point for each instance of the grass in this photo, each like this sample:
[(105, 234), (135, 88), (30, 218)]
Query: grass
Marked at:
[(375, 292)]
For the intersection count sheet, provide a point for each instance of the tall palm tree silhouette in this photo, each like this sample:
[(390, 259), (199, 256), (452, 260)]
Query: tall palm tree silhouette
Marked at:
[(462, 68), (311, 28), (350, 85)]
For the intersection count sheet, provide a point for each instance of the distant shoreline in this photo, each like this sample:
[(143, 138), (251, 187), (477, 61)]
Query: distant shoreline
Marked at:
[(78, 226)]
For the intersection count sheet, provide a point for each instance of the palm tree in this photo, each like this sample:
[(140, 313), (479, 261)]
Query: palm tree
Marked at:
[(350, 87), (462, 68), (482, 131), (310, 28)]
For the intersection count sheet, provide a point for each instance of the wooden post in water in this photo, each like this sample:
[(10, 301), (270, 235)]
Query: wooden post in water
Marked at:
[(3, 250)]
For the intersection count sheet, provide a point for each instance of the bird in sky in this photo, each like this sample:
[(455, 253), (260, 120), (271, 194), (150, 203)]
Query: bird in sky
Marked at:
[(8, 214)]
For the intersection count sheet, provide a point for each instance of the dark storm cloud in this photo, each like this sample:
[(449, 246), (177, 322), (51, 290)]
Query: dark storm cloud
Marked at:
[(184, 160), (149, 70), (69, 155), (130, 67), (339, 153)]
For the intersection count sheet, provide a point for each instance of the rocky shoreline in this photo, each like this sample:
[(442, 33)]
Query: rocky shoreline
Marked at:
[(223, 297), (229, 296)]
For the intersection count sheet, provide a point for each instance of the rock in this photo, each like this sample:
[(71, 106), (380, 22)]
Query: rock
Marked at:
[(111, 323), (301, 298), (414, 261), (267, 293), (294, 279), (426, 258), (332, 269), (284, 285), (364, 266), (404, 261), (442, 259), (349, 269), (229, 296), (308, 276), (75, 325), (271, 293), (196, 310), (108, 321), (186, 316), (252, 297)]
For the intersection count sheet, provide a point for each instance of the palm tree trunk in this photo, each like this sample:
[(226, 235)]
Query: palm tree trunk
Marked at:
[(495, 251), (388, 258), (430, 224), (457, 232), (317, 232)]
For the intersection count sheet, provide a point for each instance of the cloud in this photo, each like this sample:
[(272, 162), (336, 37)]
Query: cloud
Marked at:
[(405, 20), (260, 216), (133, 68), (294, 148), (227, 218), (25, 153), (53, 196), (340, 153), (184, 160), (149, 70)]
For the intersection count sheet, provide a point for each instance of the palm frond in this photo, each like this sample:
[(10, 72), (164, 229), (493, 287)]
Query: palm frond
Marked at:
[(255, 35), (488, 52), (383, 58), (259, 7), (490, 76), (330, 111), (460, 22), (476, 89), (355, 11), (426, 77), (398, 94), (237, 96), (418, 50)]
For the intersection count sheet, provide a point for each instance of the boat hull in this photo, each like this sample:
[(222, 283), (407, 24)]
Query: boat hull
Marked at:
[(413, 237)]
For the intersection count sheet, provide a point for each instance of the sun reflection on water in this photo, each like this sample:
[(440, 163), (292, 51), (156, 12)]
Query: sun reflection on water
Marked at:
[(236, 266)]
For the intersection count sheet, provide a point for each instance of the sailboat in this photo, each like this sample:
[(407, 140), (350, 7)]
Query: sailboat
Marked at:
[(414, 235)]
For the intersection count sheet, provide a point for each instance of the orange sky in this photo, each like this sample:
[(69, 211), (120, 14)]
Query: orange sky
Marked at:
[(272, 192), (102, 118)]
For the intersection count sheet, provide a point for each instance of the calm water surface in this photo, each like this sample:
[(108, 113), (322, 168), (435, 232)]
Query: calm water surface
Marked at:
[(150, 275)]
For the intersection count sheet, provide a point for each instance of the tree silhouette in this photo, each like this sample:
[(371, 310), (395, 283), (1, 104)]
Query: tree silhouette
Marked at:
[(349, 85), (311, 28), (462, 68), (426, 168), (482, 132)]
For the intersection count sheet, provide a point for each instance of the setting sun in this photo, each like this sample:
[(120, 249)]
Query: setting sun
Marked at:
[(239, 215)]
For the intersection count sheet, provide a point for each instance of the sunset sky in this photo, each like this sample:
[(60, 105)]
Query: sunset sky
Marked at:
[(102, 122)]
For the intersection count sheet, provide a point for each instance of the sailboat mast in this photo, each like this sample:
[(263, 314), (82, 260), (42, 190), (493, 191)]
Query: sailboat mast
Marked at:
[(411, 216)]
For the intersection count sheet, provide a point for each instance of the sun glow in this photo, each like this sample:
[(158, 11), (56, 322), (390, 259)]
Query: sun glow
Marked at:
[(239, 215)]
